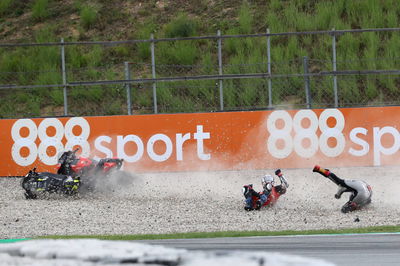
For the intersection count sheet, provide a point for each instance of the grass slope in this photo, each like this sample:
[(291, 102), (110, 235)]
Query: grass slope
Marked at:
[(77, 20)]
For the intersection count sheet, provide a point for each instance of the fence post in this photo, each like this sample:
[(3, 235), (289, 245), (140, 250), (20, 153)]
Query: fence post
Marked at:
[(221, 90), (307, 82), (128, 88), (64, 77), (269, 69), (153, 71), (335, 92)]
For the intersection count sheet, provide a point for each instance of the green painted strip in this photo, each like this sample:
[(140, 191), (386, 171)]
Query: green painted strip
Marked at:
[(12, 240), (373, 229)]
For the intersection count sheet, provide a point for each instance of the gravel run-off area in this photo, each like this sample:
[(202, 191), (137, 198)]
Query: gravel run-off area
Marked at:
[(198, 202)]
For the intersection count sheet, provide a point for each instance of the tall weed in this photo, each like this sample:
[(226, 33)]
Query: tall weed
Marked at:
[(40, 10), (57, 97), (374, 18), (182, 26), (275, 23), (305, 22), (88, 17), (370, 40), (275, 5), (391, 60), (177, 53), (208, 66), (33, 106), (5, 6), (75, 58), (290, 16), (230, 98), (245, 18), (371, 90), (48, 76), (354, 11), (45, 34), (348, 90), (114, 108), (144, 33), (231, 45), (171, 99), (95, 55), (327, 14), (392, 47), (392, 20)]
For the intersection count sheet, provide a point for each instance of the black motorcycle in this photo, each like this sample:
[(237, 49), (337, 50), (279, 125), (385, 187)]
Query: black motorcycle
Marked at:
[(36, 183)]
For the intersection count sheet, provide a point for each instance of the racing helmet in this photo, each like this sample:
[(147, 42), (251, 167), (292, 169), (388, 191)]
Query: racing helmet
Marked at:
[(267, 181)]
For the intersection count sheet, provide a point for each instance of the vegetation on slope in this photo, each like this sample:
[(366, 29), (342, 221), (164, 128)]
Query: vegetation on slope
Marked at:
[(42, 21)]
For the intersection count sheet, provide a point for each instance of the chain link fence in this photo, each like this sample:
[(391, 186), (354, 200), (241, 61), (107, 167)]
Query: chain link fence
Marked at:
[(201, 74)]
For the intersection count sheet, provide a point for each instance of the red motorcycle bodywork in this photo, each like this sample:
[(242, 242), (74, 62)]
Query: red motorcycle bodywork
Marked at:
[(83, 164), (108, 166), (271, 200)]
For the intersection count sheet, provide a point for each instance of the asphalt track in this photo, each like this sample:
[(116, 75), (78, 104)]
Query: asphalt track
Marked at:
[(347, 249)]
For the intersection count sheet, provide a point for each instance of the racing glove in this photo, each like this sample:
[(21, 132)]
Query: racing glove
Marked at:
[(340, 191), (278, 172)]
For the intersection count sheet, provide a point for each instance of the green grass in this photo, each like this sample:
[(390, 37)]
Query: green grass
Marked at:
[(144, 33), (245, 19), (40, 10), (373, 229), (176, 53), (88, 17), (182, 26), (5, 6)]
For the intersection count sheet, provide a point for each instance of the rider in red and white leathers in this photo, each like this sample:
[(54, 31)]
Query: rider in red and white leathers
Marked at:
[(270, 194), (360, 191)]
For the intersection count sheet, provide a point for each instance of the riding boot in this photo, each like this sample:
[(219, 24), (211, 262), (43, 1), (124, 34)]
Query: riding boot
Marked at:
[(322, 171)]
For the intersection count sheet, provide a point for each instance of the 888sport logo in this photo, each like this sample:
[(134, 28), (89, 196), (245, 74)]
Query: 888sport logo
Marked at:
[(28, 141), (295, 124)]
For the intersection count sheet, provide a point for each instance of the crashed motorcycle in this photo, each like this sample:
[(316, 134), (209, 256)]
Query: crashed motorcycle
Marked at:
[(91, 171), (36, 183)]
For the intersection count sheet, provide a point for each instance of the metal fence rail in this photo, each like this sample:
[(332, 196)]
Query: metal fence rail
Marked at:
[(155, 85)]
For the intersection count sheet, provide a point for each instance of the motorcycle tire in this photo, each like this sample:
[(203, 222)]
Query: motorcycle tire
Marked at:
[(30, 195)]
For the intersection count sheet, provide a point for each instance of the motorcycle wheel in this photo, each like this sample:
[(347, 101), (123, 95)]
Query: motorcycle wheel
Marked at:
[(30, 195)]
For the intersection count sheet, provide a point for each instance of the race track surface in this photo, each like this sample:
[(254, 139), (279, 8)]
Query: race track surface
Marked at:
[(197, 202), (343, 250)]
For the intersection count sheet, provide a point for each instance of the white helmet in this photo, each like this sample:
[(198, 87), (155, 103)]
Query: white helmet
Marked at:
[(267, 179)]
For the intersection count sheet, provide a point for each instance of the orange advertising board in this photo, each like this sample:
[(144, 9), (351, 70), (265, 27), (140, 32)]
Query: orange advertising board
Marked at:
[(208, 141)]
